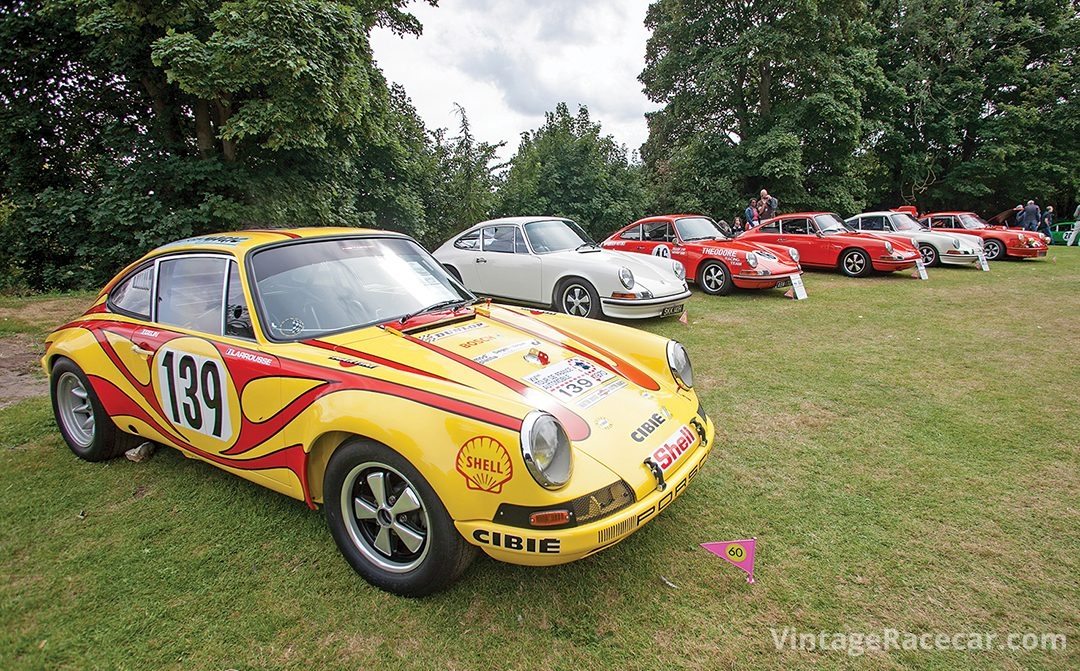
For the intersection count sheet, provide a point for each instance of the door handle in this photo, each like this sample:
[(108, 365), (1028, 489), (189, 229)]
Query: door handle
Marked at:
[(479, 260), (141, 351), (779, 239)]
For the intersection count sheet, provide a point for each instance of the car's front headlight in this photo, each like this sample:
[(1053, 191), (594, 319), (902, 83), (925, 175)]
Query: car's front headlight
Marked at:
[(751, 259), (680, 271), (679, 362), (1023, 238), (626, 277), (888, 247), (546, 450), (794, 254)]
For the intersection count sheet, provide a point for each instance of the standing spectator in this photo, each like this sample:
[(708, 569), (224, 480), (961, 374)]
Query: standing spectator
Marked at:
[(1076, 213), (767, 205), (738, 226), (1045, 226), (1032, 216), (751, 213), (1018, 217)]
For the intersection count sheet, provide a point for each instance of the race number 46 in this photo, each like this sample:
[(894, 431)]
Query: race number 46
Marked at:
[(193, 393)]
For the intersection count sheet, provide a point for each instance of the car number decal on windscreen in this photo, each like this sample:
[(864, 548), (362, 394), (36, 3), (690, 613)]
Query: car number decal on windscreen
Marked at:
[(569, 379)]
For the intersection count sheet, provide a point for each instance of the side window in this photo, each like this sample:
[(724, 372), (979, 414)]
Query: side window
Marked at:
[(856, 223), (795, 227), (657, 231), (874, 223), (942, 222), (773, 227), (631, 234), (237, 316), (519, 242), (190, 291), (468, 241), (132, 296), (500, 239)]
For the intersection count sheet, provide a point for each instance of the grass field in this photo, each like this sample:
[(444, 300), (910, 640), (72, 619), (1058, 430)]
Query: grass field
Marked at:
[(905, 452)]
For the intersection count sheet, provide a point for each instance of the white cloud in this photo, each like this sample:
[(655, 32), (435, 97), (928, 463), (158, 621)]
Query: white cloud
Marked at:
[(509, 61)]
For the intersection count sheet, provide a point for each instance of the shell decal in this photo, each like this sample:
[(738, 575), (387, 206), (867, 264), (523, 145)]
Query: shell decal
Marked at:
[(485, 463)]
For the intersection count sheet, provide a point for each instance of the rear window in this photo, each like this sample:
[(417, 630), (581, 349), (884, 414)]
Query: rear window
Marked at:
[(132, 296)]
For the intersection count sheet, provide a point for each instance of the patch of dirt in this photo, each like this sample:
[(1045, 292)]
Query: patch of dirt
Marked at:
[(20, 369), (47, 314)]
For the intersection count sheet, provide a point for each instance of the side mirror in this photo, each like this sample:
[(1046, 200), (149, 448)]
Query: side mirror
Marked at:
[(818, 233)]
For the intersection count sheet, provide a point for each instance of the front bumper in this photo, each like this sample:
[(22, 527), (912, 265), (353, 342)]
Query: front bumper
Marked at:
[(893, 265), (539, 547), (763, 281), (958, 259), (621, 308), (1026, 252)]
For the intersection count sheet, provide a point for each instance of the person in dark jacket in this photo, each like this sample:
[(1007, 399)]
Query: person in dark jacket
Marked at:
[(1032, 216), (1047, 222), (767, 205), (751, 213)]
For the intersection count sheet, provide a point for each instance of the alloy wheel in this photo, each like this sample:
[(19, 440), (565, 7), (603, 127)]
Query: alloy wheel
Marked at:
[(576, 301), (385, 517), (75, 409)]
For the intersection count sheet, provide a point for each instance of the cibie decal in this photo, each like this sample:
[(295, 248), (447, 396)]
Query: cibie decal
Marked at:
[(647, 427), (485, 463), (547, 546), (439, 335), (674, 447)]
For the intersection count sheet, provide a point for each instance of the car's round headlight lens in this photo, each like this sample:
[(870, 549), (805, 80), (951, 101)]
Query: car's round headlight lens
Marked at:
[(680, 271), (888, 247), (626, 277), (679, 363), (794, 254), (1023, 238), (751, 259), (546, 450)]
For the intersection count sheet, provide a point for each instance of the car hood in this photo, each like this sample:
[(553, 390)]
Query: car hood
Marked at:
[(652, 272), (515, 360)]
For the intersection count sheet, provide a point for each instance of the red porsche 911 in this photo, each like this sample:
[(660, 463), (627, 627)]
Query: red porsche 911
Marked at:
[(825, 242), (716, 262)]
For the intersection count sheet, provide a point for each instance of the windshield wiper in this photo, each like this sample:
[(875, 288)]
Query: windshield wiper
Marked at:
[(586, 244), (460, 302)]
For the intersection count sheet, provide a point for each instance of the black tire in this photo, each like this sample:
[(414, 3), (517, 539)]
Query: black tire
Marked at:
[(575, 296), (86, 427), (994, 248), (441, 554), (714, 278), (855, 263), (930, 255)]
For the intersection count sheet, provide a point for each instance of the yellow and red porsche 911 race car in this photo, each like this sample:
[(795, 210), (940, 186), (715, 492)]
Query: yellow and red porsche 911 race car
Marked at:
[(346, 367)]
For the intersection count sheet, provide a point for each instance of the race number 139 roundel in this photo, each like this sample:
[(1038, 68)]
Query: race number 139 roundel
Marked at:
[(196, 392)]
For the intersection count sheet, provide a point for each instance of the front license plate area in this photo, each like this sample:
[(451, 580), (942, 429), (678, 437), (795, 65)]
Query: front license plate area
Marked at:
[(671, 310)]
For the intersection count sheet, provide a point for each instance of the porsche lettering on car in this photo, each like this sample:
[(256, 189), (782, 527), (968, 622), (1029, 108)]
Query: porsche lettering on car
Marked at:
[(998, 241), (346, 368), (936, 247), (548, 261), (716, 262), (825, 242)]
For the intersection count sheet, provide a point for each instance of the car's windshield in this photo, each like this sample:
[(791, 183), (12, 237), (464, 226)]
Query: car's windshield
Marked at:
[(904, 222), (556, 235), (321, 286), (972, 222), (830, 224), (698, 228)]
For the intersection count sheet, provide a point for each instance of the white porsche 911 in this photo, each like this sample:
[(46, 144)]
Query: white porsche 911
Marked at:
[(936, 247), (551, 261)]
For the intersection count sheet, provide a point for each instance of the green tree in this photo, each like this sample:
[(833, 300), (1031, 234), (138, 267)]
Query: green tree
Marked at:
[(757, 93), (981, 108), (568, 168)]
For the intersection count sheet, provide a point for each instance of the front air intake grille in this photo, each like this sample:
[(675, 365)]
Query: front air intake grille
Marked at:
[(615, 530), (602, 502)]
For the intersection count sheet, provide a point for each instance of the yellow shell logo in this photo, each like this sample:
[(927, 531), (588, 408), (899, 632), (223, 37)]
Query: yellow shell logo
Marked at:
[(485, 463)]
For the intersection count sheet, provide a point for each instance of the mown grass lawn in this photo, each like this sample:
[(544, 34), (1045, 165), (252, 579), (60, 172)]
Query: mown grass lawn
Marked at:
[(905, 452)]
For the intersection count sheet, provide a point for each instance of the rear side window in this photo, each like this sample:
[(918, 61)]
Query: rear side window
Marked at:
[(873, 223), (468, 241), (774, 227), (191, 292), (132, 296)]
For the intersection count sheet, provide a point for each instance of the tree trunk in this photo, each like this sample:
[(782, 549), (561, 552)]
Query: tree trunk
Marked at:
[(224, 111), (204, 131), (164, 109), (764, 89)]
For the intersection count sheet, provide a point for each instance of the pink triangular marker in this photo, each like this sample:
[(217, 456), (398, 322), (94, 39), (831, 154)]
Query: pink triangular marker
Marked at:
[(740, 553), (684, 319)]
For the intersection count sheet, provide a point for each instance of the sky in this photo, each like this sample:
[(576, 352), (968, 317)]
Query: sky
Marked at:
[(509, 61)]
